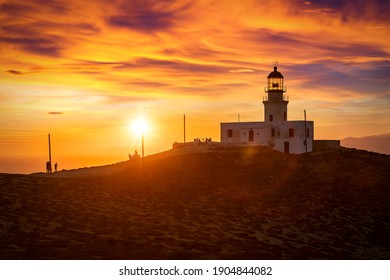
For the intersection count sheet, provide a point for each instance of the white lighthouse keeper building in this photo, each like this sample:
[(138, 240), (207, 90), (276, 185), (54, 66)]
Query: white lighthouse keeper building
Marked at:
[(276, 131)]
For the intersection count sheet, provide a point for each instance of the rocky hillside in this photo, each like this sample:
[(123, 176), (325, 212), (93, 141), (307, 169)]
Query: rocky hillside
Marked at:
[(246, 203)]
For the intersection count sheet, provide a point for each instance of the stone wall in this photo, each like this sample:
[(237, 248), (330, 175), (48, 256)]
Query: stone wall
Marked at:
[(325, 145)]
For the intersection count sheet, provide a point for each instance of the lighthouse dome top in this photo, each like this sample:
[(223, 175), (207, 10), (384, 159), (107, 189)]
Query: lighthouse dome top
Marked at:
[(275, 74)]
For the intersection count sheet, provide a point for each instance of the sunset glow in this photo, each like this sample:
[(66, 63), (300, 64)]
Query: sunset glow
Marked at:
[(81, 70), (140, 126)]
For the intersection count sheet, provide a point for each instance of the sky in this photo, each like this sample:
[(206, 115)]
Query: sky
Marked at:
[(83, 71)]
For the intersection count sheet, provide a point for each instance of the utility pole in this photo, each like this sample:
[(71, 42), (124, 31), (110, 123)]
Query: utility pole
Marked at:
[(143, 155), (184, 130), (305, 132), (49, 154)]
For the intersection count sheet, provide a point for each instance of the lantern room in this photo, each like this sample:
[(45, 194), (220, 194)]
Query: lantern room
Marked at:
[(275, 81)]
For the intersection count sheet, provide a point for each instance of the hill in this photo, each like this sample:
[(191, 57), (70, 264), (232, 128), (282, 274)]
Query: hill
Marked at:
[(241, 203), (375, 143)]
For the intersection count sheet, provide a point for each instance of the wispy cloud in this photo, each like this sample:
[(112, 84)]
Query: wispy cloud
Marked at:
[(55, 113), (47, 46), (144, 21), (14, 72), (358, 78), (148, 16), (14, 8), (102, 61)]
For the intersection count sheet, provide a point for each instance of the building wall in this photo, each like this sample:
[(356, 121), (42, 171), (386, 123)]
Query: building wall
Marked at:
[(297, 140), (240, 133), (277, 110), (292, 132)]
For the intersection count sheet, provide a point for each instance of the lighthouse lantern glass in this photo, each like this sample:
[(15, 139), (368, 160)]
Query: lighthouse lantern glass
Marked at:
[(275, 83)]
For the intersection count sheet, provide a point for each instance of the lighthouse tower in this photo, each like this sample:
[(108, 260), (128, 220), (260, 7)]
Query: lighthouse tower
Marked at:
[(275, 104), (276, 132)]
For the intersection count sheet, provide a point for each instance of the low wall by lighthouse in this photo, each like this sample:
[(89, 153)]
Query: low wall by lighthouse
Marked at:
[(325, 145)]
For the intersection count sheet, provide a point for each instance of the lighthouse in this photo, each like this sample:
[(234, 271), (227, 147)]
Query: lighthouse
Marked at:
[(275, 103), (276, 131)]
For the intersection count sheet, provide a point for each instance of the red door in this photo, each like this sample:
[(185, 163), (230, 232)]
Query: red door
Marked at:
[(286, 147), (251, 136)]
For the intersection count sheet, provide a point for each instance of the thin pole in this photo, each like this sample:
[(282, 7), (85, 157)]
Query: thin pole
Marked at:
[(305, 131), (143, 146), (143, 152), (184, 130), (49, 153)]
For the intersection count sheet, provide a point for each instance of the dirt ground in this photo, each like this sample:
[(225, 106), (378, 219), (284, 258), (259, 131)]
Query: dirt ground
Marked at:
[(226, 204)]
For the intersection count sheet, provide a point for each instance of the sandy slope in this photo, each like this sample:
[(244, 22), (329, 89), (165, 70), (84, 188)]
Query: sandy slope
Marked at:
[(228, 204)]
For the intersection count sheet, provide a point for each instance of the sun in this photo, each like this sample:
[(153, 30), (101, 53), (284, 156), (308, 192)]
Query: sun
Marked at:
[(140, 126)]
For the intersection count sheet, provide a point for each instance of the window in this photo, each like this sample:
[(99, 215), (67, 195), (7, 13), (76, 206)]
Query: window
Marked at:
[(285, 116), (273, 132), (271, 117), (230, 133), (291, 132)]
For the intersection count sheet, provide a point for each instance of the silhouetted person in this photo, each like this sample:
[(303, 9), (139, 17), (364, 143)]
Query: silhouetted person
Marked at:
[(55, 167), (135, 156), (48, 167)]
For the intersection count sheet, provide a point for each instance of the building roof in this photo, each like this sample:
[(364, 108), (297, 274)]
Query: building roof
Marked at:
[(275, 74)]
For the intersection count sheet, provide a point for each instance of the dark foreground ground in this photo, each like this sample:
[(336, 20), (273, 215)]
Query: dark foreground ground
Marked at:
[(228, 204)]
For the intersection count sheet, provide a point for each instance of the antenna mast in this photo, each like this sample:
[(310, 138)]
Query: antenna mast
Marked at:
[(49, 154), (304, 111), (184, 130)]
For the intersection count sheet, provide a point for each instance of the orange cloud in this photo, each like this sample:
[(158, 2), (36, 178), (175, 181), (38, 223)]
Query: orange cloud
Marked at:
[(103, 62)]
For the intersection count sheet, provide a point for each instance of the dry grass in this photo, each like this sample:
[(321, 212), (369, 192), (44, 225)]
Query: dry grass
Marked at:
[(227, 204)]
